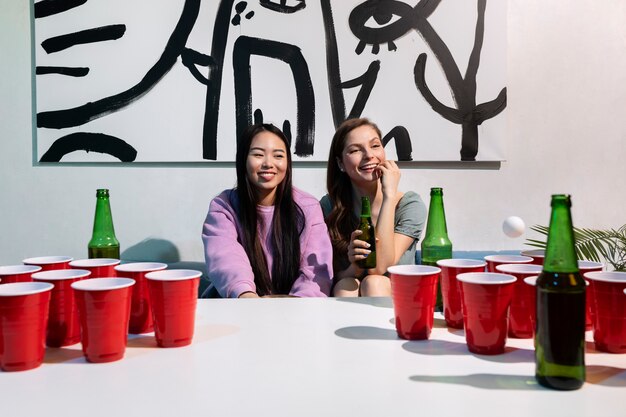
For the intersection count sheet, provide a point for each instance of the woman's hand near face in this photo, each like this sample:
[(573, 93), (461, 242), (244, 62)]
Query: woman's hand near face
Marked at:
[(389, 175), (385, 223)]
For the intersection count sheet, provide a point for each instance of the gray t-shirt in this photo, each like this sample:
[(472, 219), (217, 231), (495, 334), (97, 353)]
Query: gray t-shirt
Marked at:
[(409, 220)]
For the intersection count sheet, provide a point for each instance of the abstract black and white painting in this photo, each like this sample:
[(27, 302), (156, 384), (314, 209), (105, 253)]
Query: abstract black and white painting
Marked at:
[(178, 80)]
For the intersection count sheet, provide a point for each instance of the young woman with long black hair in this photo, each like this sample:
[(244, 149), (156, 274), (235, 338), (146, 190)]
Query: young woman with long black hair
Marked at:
[(357, 166), (265, 237)]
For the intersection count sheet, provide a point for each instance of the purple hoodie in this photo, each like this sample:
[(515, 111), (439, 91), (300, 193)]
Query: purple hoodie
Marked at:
[(227, 262)]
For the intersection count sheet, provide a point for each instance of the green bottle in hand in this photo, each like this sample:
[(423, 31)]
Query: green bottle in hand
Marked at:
[(369, 234)]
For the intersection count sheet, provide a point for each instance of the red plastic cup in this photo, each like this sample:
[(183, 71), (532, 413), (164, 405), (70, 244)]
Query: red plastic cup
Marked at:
[(609, 326), (99, 267), (173, 296), (140, 311), (485, 300), (49, 263), (538, 255), (495, 260), (103, 311), (584, 267), (414, 294), (63, 325), (23, 320), (17, 273), (529, 297), (450, 268), (520, 325)]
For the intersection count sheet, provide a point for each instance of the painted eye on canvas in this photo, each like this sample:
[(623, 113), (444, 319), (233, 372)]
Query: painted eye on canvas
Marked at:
[(381, 20), (284, 6), (376, 22)]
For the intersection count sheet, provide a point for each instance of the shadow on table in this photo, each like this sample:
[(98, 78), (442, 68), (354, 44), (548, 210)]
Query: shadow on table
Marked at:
[(608, 376), (372, 301), (443, 347), (202, 333), (435, 347), (141, 341), (63, 355), (438, 323), (597, 375), (366, 333), (484, 381)]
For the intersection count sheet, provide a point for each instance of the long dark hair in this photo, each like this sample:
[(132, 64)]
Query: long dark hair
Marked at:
[(287, 222), (342, 221)]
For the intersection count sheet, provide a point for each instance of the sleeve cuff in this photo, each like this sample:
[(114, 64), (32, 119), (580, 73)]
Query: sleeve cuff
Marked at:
[(236, 290)]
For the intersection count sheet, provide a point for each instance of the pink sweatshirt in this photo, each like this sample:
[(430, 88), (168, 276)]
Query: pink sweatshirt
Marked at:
[(227, 262)]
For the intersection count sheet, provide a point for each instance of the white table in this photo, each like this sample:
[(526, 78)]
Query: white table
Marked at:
[(307, 357)]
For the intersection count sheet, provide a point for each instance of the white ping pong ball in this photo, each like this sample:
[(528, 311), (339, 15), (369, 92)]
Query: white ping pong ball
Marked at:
[(513, 226)]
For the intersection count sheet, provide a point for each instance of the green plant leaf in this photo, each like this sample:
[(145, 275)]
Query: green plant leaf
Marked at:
[(592, 244)]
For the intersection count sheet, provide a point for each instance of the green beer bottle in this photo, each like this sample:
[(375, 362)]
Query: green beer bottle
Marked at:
[(560, 332), (103, 243), (369, 234), (436, 245)]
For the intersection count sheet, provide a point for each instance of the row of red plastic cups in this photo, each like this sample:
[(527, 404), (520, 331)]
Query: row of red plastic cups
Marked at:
[(519, 266), (99, 267), (39, 268), (485, 300), (65, 295), (606, 303)]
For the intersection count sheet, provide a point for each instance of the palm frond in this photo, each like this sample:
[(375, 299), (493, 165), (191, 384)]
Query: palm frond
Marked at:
[(593, 244)]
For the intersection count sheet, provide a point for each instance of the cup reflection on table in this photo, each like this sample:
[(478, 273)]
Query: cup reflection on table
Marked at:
[(485, 301), (414, 294)]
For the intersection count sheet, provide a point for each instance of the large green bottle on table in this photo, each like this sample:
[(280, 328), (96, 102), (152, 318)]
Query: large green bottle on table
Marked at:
[(369, 234), (436, 245), (560, 332), (103, 243)]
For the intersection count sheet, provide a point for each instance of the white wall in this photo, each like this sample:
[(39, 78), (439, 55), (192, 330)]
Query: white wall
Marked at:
[(566, 124)]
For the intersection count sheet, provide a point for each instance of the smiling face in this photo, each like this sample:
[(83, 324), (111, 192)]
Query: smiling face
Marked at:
[(361, 155), (266, 165)]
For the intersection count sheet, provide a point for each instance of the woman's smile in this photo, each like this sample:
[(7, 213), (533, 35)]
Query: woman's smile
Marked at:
[(369, 167), (266, 175)]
